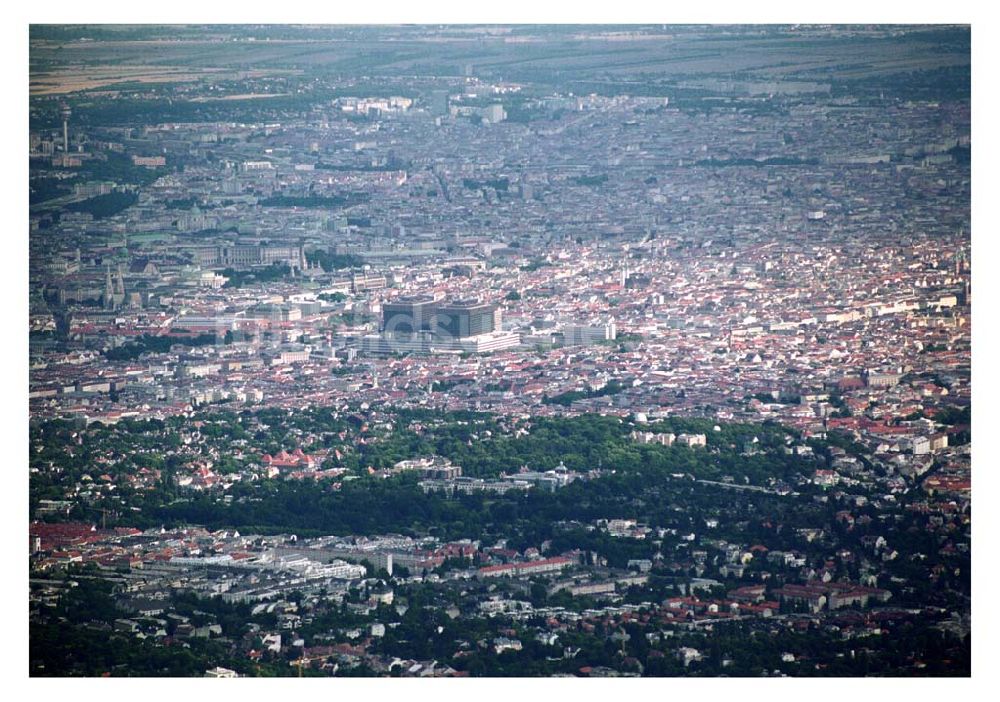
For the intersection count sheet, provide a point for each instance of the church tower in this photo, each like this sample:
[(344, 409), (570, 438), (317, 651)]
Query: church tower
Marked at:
[(109, 291)]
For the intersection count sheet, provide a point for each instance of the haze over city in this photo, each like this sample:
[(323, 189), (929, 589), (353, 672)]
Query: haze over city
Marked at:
[(493, 351)]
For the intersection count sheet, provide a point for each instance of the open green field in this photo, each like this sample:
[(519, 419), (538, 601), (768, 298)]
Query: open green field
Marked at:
[(551, 55)]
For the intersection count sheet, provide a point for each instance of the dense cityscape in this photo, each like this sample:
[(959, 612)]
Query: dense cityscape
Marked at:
[(533, 351)]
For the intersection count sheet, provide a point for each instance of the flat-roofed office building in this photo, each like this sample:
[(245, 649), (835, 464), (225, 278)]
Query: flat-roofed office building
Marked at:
[(459, 320), (407, 316)]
